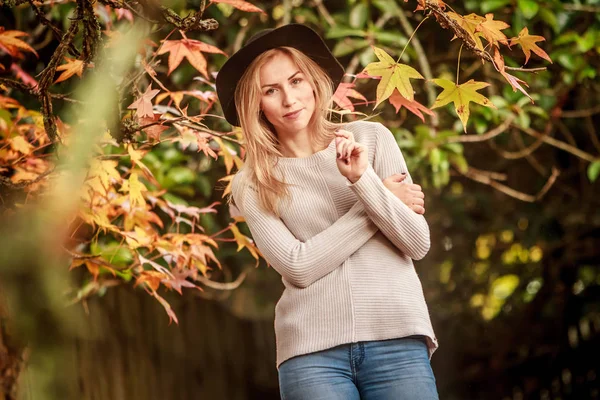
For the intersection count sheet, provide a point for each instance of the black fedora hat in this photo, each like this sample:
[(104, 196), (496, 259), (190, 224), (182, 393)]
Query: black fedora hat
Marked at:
[(297, 36)]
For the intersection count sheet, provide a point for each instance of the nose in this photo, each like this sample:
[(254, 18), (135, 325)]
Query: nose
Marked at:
[(288, 98)]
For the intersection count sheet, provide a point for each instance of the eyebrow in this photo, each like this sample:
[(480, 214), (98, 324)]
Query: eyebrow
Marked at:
[(276, 84)]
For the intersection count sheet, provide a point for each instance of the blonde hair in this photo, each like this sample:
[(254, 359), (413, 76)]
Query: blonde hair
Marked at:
[(261, 142)]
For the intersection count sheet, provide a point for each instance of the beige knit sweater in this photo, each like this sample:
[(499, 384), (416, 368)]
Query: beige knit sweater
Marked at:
[(344, 250)]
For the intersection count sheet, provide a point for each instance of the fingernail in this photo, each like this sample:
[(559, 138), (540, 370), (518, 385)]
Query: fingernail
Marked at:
[(404, 173), (338, 155)]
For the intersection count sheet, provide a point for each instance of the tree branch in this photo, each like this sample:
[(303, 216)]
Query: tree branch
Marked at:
[(486, 136), (478, 176), (558, 144)]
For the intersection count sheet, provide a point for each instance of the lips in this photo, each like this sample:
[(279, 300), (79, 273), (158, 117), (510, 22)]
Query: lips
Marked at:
[(292, 114)]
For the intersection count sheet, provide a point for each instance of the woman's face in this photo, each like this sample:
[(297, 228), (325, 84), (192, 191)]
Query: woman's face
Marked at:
[(287, 97)]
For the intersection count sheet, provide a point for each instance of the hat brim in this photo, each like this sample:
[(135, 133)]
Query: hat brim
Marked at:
[(297, 36)]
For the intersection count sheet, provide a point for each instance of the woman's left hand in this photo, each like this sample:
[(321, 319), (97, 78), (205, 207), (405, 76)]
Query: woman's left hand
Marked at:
[(352, 157)]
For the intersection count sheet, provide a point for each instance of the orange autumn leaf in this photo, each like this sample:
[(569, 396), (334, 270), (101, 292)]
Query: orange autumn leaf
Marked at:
[(153, 131), (143, 105), (10, 42), (527, 43), (342, 94), (513, 80), (240, 5), (398, 101), (470, 23), (422, 4), (190, 49), (491, 30), (72, 67)]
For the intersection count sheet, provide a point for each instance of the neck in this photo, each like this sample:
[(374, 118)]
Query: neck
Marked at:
[(298, 145)]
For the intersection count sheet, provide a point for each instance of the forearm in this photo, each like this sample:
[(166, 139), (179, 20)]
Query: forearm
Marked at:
[(303, 262), (407, 230)]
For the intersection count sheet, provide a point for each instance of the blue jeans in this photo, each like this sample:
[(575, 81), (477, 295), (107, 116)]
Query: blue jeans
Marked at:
[(396, 369)]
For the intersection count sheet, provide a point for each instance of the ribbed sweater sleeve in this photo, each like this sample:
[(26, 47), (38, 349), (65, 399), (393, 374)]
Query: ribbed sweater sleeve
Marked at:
[(302, 263), (407, 230)]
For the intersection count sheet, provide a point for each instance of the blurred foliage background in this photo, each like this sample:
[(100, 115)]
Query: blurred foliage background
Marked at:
[(512, 279)]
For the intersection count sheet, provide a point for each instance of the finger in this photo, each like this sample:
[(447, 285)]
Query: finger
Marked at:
[(418, 194), (344, 134), (414, 186), (418, 209), (418, 202), (340, 147)]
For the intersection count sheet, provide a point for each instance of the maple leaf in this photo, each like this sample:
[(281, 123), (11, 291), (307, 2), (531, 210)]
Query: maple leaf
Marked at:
[(18, 143), (22, 75), (124, 13), (342, 94), (153, 131), (10, 42), (167, 307), (244, 241), (179, 280), (527, 43), (491, 30), (72, 67), (134, 187), (422, 5), (470, 23), (461, 95), (393, 76), (240, 5), (513, 80), (414, 107), (190, 49), (143, 105)]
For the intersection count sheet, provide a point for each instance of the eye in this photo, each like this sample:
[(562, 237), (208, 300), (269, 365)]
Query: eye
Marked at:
[(296, 81), (270, 91)]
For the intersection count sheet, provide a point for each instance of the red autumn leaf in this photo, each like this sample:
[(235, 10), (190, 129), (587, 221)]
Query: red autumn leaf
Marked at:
[(190, 49), (240, 5), (22, 75), (143, 105), (124, 13), (153, 131), (72, 67), (513, 80), (10, 42), (398, 101), (342, 94), (527, 43), (422, 5), (167, 307)]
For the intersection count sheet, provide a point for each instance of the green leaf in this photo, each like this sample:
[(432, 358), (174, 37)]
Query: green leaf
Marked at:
[(336, 32), (181, 175), (491, 5), (593, 171), (359, 15), (587, 41), (529, 8), (549, 17), (349, 46)]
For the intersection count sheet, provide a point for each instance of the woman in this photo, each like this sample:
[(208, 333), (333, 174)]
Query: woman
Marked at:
[(334, 211)]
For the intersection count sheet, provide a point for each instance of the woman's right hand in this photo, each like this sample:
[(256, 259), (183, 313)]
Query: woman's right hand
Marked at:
[(409, 193)]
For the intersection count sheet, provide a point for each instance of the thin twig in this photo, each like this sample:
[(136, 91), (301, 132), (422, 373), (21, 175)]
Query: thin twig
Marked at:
[(486, 136), (581, 113), (325, 13), (223, 286), (486, 180), (558, 144)]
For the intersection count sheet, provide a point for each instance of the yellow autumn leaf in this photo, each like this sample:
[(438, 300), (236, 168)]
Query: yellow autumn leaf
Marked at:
[(470, 24), (461, 95), (244, 241), (18, 143), (134, 187), (105, 170), (393, 76)]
